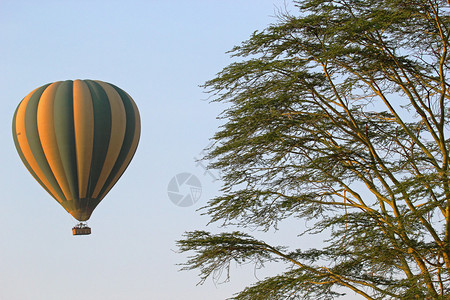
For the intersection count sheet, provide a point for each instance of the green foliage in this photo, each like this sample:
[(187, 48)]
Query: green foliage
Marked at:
[(338, 115)]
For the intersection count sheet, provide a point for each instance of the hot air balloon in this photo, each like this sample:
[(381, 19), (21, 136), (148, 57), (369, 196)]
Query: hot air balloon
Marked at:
[(77, 138)]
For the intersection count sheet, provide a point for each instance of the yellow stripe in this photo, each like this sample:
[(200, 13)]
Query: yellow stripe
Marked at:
[(83, 111), (137, 134), (25, 147), (118, 126), (46, 129)]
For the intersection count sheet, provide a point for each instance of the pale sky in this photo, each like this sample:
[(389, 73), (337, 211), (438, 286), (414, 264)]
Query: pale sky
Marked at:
[(159, 52)]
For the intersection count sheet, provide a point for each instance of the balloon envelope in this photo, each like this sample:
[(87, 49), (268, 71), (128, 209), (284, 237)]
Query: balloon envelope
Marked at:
[(77, 138)]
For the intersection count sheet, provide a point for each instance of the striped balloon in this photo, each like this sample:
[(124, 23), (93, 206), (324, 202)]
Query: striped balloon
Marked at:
[(77, 138)]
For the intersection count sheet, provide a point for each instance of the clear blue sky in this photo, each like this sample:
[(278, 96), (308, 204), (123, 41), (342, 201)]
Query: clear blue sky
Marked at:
[(159, 52)]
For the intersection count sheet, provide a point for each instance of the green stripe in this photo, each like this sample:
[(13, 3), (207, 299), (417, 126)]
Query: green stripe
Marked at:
[(19, 151), (32, 136), (65, 133), (130, 132), (69, 205), (102, 132)]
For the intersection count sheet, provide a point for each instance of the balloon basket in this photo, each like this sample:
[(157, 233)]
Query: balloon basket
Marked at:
[(81, 229)]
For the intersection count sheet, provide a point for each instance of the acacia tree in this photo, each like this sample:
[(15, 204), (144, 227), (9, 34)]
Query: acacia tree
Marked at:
[(338, 114)]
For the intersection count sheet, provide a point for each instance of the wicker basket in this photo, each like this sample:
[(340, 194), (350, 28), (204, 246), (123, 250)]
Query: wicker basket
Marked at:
[(81, 231)]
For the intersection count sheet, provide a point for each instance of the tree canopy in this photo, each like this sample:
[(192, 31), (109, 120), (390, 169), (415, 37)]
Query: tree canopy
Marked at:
[(338, 114)]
